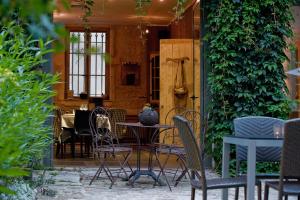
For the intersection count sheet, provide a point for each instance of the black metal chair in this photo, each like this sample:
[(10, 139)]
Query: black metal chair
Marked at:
[(106, 147), (82, 129), (170, 145), (61, 136), (256, 126), (195, 163), (289, 181)]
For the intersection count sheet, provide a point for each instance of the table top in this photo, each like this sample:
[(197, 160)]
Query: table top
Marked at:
[(67, 121), (138, 124)]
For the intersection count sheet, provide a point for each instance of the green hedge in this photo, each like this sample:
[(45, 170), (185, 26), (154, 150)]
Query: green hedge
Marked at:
[(246, 43)]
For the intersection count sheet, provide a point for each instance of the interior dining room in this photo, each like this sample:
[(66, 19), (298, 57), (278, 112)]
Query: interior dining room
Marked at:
[(123, 57)]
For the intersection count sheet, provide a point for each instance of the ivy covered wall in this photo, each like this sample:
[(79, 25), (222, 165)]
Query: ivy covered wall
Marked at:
[(246, 42)]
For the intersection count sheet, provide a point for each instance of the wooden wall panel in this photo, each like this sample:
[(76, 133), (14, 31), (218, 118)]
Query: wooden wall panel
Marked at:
[(178, 48), (129, 47)]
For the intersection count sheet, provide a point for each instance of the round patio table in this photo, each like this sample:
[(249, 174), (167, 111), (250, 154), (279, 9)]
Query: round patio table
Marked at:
[(157, 128)]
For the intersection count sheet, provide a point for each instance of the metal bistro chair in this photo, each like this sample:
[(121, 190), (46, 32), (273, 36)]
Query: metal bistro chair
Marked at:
[(169, 145), (195, 163), (256, 126), (289, 181), (105, 146), (175, 147)]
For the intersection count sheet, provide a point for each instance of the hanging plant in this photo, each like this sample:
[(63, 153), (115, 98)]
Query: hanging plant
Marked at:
[(246, 43), (179, 9), (141, 6)]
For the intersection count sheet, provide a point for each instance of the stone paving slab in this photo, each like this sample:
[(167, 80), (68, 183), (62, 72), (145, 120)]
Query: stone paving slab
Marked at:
[(73, 184)]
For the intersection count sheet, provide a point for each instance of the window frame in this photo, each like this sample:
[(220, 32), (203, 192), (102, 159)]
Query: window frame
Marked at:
[(87, 61)]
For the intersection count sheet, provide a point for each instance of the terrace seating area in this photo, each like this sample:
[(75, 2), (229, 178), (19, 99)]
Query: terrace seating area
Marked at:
[(150, 99), (261, 135)]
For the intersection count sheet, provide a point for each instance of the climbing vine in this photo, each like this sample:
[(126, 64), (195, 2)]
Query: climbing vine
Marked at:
[(246, 43)]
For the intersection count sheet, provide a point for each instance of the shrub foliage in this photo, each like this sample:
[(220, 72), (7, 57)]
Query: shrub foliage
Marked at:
[(24, 90)]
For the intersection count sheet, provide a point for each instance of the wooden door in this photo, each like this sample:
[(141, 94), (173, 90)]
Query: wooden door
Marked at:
[(174, 49)]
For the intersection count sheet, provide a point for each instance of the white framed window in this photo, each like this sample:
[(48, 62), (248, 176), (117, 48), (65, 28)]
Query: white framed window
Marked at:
[(87, 68)]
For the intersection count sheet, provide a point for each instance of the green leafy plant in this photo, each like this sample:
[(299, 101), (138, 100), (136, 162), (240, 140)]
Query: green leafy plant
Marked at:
[(246, 43), (25, 90)]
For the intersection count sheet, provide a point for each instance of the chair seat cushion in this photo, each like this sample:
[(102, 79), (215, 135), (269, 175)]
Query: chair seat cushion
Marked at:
[(222, 183), (289, 187)]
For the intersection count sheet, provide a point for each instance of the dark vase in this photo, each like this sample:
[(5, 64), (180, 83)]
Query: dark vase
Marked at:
[(148, 117)]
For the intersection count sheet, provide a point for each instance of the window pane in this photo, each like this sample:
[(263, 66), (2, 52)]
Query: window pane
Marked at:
[(103, 48), (92, 87), (81, 65), (97, 65), (70, 82), (100, 65), (77, 63), (93, 64), (103, 36), (103, 85), (94, 37), (81, 85), (75, 85)]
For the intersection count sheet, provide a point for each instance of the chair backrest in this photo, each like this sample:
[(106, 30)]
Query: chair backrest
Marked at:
[(171, 136), (100, 136), (57, 129), (193, 154), (255, 126), (81, 121), (290, 160), (117, 115)]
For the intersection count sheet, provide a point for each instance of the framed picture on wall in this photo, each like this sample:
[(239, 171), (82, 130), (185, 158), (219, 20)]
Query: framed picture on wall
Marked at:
[(130, 73)]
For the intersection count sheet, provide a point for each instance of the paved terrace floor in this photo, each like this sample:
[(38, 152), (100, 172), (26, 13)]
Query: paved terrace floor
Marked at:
[(73, 183)]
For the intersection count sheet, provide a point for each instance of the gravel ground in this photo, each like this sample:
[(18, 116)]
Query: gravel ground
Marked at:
[(73, 183)]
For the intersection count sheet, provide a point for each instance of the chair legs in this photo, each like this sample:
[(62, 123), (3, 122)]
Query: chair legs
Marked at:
[(259, 190), (103, 166), (266, 195), (161, 167), (236, 194), (193, 194), (183, 173), (58, 149)]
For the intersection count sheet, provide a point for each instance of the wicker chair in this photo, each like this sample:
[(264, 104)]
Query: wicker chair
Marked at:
[(195, 164), (105, 147), (257, 126), (61, 136), (117, 115), (289, 181)]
